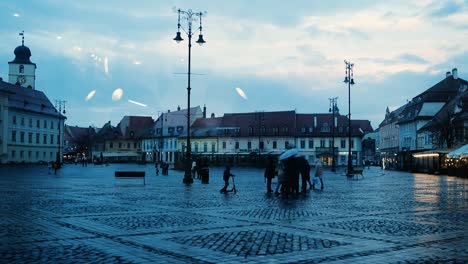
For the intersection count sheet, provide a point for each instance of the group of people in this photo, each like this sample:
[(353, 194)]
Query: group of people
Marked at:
[(164, 168), (201, 170), (288, 171)]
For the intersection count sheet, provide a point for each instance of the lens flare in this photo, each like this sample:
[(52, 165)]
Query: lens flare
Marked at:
[(106, 65), (90, 95), (137, 62), (117, 94), (59, 37), (16, 15), (241, 93), (137, 103)]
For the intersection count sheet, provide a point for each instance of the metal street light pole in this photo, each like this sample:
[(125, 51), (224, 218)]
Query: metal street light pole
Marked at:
[(333, 109), (59, 104), (190, 17), (349, 79)]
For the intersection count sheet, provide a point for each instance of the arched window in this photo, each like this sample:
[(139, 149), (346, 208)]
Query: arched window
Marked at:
[(21, 68)]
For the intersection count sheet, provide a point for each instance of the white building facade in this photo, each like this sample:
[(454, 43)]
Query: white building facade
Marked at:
[(31, 127)]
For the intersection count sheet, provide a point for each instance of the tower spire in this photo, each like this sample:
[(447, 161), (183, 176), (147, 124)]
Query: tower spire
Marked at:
[(22, 37)]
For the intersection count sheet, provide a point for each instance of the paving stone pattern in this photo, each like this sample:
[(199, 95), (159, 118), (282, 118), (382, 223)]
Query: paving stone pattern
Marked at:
[(84, 215)]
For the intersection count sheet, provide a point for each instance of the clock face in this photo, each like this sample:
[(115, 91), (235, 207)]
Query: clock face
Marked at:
[(21, 79)]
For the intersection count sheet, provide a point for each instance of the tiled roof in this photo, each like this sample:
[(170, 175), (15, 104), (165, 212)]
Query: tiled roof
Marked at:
[(27, 99), (448, 111), (177, 121), (324, 125), (240, 124), (206, 127), (75, 133), (444, 91), (132, 126)]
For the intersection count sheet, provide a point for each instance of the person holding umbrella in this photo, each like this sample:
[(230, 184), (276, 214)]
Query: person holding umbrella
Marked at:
[(291, 171)]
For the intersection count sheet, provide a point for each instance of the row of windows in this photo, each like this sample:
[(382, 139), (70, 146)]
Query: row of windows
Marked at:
[(286, 144), (205, 147), (325, 128), (120, 144), (323, 143), (21, 154), (45, 124), (30, 138)]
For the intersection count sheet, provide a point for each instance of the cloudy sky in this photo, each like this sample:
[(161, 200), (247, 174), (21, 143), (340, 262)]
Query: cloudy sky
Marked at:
[(284, 55)]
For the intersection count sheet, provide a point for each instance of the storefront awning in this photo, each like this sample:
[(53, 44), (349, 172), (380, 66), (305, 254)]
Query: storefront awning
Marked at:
[(459, 153)]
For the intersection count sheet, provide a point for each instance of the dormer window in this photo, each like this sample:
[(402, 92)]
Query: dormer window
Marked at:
[(180, 128), (303, 130), (170, 130), (250, 130), (21, 69), (325, 128)]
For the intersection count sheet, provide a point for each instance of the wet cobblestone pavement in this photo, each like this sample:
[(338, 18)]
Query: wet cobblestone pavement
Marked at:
[(84, 215)]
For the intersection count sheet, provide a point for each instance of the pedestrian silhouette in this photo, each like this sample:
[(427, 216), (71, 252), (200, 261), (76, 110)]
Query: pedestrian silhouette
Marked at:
[(270, 173), (226, 175)]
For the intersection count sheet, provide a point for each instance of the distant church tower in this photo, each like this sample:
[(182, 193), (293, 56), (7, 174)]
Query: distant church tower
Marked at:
[(21, 70)]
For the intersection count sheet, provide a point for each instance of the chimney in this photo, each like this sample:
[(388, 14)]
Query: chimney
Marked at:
[(448, 74), (178, 108), (455, 73), (315, 121), (204, 111), (212, 115), (168, 111)]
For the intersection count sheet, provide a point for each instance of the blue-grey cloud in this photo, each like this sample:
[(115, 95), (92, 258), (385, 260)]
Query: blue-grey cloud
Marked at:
[(403, 58), (446, 8), (344, 32), (411, 58)]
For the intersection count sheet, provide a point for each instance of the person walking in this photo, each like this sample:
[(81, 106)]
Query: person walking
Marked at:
[(157, 168), (318, 172), (281, 176), (270, 172), (226, 175), (304, 168), (194, 169)]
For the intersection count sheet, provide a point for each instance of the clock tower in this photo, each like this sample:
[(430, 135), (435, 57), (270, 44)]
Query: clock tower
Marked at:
[(21, 70)]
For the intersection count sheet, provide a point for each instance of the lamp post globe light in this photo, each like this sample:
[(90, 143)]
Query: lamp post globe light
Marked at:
[(190, 17), (349, 79)]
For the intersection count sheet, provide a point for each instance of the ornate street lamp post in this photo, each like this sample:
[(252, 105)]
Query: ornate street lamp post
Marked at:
[(349, 79), (333, 109), (190, 17)]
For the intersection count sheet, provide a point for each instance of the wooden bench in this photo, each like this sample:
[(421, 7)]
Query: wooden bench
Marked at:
[(131, 175)]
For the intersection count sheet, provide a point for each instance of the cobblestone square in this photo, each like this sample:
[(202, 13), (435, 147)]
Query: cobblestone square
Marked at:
[(84, 215)]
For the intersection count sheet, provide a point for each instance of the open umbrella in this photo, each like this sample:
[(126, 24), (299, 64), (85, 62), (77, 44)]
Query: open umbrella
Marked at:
[(288, 153)]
